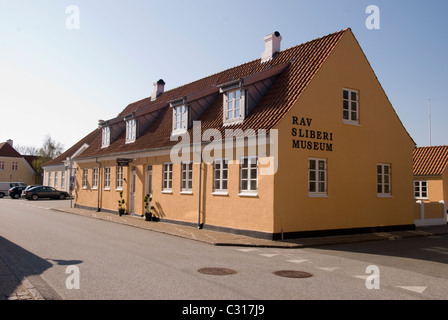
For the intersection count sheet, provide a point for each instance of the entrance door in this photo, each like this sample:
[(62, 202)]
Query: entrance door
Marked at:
[(132, 191)]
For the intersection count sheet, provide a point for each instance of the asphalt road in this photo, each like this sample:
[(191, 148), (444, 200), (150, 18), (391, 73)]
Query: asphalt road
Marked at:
[(73, 257)]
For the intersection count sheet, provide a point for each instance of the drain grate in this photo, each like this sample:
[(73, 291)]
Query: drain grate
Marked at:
[(217, 271), (292, 274)]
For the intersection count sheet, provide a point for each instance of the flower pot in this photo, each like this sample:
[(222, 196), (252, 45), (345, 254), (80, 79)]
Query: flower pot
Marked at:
[(121, 212), (148, 216)]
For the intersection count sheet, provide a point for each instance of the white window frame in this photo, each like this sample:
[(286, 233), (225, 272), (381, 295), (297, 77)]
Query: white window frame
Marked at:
[(85, 173), (119, 178), (131, 130), (230, 99), (220, 177), (384, 188), (247, 177), (106, 178), (419, 185), (49, 178), (95, 178), (56, 179), (317, 177), (180, 118), (186, 183), (349, 119), (62, 179), (167, 177), (105, 137)]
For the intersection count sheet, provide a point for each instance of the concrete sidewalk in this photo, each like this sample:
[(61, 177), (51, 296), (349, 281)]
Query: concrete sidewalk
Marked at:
[(228, 239)]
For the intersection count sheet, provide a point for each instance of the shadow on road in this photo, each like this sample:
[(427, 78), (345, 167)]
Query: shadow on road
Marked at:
[(18, 264)]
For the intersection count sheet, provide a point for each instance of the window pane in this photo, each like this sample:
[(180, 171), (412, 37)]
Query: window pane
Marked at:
[(354, 96), (380, 189), (321, 176), (312, 187), (354, 106), (244, 185), (345, 94), (244, 174), (312, 164), (312, 175), (321, 187), (253, 173), (253, 185), (216, 184), (238, 94), (224, 184), (230, 95), (345, 115), (386, 169), (379, 169), (321, 165), (345, 104)]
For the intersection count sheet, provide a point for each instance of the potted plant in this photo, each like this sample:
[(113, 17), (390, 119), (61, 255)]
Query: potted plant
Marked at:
[(148, 209), (121, 210)]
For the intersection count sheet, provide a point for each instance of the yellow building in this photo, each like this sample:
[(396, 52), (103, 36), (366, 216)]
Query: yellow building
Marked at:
[(15, 167), (302, 141), (431, 184)]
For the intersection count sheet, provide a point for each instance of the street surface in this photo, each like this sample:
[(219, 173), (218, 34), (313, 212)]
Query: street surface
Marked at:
[(73, 257)]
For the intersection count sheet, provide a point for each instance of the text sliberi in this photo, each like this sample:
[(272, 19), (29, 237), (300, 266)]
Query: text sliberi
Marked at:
[(310, 134)]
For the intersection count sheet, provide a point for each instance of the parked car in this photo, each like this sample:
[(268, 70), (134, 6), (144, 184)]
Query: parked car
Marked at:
[(16, 192), (29, 187), (5, 186), (45, 192)]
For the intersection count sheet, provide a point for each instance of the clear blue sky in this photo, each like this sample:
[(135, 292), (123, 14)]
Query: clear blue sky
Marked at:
[(60, 82)]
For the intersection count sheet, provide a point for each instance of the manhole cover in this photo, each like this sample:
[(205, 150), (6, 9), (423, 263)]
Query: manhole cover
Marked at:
[(292, 274), (217, 271)]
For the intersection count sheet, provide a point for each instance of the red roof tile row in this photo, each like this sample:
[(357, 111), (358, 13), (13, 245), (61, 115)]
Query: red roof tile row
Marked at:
[(430, 161)]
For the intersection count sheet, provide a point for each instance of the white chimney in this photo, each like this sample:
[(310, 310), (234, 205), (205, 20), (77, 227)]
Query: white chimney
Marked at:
[(159, 87), (10, 142), (272, 46)]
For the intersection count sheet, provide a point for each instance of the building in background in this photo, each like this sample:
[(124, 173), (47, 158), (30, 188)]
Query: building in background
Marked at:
[(15, 167)]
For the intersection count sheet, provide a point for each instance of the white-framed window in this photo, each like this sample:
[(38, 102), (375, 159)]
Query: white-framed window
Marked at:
[(107, 178), (180, 118), (62, 179), (383, 179), (317, 177), (2, 165), (167, 177), (105, 137), (95, 178), (187, 177), (119, 180), (249, 175), (56, 179), (84, 178), (49, 178), (421, 189), (15, 166), (350, 106), (220, 176), (234, 106), (131, 130)]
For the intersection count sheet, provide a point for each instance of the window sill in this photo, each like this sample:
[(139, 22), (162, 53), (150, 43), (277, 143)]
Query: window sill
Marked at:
[(186, 192), (119, 189), (167, 191), (94, 188), (248, 194), (317, 195), (384, 196), (220, 193), (106, 189), (232, 122), (352, 123)]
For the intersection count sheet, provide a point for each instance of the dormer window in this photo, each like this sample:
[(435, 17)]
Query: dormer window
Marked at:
[(131, 130), (234, 102), (106, 137), (180, 118)]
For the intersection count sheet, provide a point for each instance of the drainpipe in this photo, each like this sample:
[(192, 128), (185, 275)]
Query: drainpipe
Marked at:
[(98, 209), (200, 187)]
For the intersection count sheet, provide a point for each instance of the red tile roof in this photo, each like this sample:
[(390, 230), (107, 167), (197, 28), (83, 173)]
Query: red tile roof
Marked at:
[(6, 150), (430, 161), (294, 69)]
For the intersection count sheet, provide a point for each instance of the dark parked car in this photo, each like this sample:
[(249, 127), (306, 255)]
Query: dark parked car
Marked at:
[(45, 192), (29, 187), (16, 192)]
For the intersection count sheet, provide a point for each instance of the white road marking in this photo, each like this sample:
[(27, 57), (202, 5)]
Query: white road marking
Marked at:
[(418, 289)]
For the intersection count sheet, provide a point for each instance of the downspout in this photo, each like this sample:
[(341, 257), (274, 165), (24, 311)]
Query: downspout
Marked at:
[(98, 209), (200, 187)]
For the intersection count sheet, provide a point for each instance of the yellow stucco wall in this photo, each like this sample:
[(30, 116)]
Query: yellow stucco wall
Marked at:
[(352, 199), (23, 173)]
